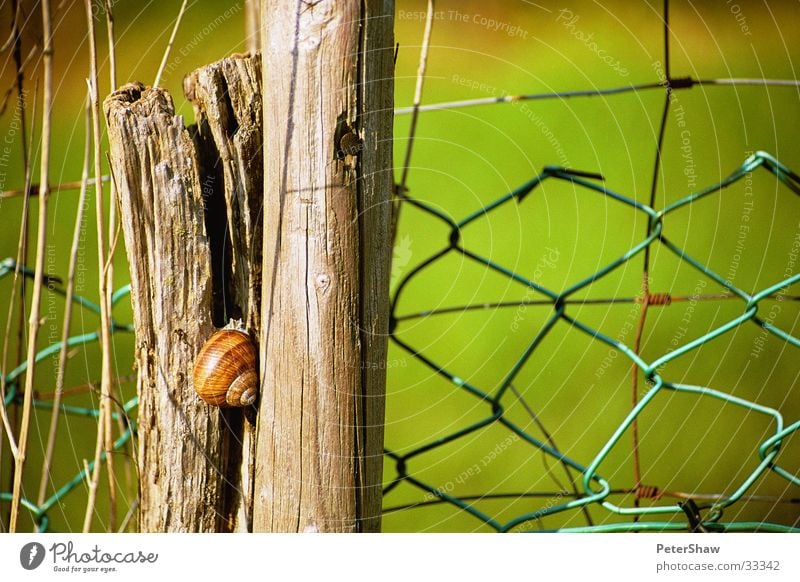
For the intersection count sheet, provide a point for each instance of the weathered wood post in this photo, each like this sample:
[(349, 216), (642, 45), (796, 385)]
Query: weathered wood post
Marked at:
[(328, 99), (227, 101), (190, 201), (181, 444), (193, 204)]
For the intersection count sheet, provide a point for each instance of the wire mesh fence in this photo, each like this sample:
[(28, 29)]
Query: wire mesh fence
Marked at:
[(590, 489), (125, 413)]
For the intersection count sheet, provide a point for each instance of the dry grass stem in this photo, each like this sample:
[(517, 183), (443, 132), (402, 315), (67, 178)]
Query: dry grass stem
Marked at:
[(26, 156), (169, 44), (33, 189), (106, 403), (423, 65), (70, 292), (41, 240)]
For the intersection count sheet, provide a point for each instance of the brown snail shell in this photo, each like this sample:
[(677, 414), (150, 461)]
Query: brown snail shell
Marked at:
[(225, 371)]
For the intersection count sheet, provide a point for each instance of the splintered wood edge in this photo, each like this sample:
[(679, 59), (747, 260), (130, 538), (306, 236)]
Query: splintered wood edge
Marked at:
[(172, 309)]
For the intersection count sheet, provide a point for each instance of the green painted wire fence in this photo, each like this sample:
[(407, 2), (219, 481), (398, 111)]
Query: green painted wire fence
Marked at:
[(125, 412), (594, 488), (587, 493)]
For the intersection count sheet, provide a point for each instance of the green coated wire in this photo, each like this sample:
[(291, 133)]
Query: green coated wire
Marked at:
[(598, 496), (39, 512), (653, 371), (596, 488)]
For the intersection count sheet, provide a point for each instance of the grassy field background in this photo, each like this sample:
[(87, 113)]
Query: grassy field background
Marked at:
[(464, 159)]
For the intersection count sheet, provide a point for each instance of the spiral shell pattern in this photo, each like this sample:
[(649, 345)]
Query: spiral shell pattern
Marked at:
[(225, 372)]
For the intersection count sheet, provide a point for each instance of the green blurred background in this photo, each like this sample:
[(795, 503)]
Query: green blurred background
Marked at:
[(464, 159)]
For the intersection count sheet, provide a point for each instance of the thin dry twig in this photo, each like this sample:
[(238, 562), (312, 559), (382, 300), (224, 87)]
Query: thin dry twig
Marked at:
[(112, 209), (415, 109), (22, 248), (12, 36), (33, 189), (114, 235), (112, 59), (169, 44), (114, 225), (252, 25), (20, 67), (84, 388), (113, 396), (70, 291), (41, 240), (23, 235), (105, 323), (129, 516)]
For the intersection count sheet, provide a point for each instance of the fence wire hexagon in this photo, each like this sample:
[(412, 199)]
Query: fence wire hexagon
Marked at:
[(593, 488), (125, 414), (583, 486)]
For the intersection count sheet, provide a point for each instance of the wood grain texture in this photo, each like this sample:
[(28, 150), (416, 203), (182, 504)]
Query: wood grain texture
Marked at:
[(161, 208), (376, 183), (326, 265), (227, 102), (228, 110)]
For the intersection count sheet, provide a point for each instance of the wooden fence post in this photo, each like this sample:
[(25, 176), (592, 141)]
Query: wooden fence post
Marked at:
[(228, 109), (328, 99), (191, 207), (181, 444), (190, 202)]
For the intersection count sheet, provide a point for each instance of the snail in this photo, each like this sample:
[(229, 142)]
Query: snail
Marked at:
[(225, 371)]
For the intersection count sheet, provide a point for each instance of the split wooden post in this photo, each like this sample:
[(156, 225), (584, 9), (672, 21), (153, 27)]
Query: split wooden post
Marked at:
[(191, 207), (190, 201), (328, 108), (181, 450), (228, 110)]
